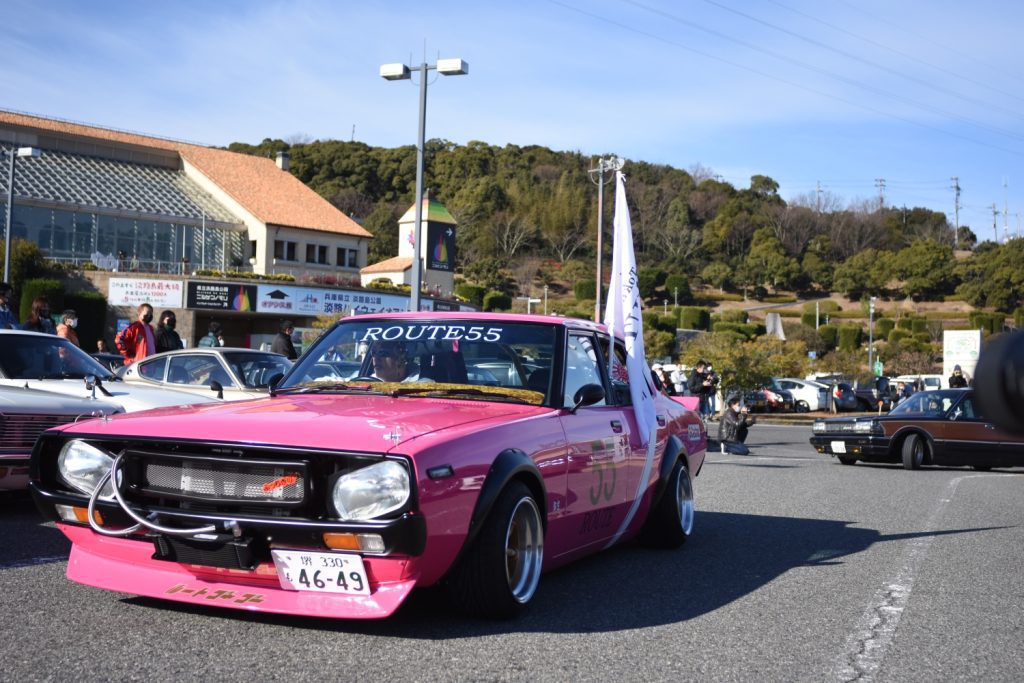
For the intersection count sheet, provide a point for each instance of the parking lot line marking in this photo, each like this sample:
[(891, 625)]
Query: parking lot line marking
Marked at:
[(868, 643)]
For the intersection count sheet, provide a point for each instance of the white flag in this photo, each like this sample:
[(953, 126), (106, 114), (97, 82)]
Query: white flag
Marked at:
[(623, 317)]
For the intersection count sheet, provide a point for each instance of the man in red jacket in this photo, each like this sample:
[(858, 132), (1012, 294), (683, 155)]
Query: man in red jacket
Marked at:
[(136, 341)]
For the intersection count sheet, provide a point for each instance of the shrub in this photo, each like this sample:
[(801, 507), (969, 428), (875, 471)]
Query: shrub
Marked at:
[(808, 319), (1018, 318), (585, 289), (883, 326), (849, 337), (781, 299), (824, 306), (733, 316), (678, 285), (91, 308), (918, 325), (905, 324), (897, 335), (694, 318), (922, 337), (829, 335), (650, 320), (497, 301), (988, 323), (472, 293), (667, 323), (53, 290)]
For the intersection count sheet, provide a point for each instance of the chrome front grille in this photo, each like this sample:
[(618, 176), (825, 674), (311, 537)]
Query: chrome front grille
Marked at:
[(18, 433), (217, 480)]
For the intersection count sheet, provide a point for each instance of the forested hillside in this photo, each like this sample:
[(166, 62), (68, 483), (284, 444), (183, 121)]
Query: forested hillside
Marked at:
[(527, 213)]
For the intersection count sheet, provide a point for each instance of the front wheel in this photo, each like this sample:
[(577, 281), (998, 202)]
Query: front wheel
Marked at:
[(913, 452), (671, 521), (802, 407), (501, 570), (847, 460)]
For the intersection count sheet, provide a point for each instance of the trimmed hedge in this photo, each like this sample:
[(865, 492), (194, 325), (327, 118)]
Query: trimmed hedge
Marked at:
[(825, 306), (694, 318), (789, 299), (918, 325), (497, 301), (883, 326), (849, 337), (678, 284), (897, 335), (905, 324), (585, 289), (829, 335), (1018, 318), (733, 316), (715, 297), (472, 293), (52, 289)]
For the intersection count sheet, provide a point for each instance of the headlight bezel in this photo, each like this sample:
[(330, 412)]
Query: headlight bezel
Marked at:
[(362, 481), (85, 477)]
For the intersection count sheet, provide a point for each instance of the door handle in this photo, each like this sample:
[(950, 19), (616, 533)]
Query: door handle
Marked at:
[(616, 426)]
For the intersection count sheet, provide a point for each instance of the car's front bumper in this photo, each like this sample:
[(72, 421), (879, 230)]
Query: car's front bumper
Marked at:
[(127, 566), (859, 446)]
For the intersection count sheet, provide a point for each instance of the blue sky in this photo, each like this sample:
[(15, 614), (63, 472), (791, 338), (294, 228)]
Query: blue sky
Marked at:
[(841, 92)]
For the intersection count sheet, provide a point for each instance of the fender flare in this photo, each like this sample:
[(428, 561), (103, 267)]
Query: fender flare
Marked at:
[(674, 450), (896, 443), (510, 464)]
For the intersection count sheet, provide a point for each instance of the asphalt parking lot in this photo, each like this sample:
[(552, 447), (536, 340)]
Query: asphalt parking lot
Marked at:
[(799, 569)]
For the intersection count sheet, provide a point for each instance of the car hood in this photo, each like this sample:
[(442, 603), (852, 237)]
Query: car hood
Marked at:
[(362, 423), (130, 397), (22, 400)]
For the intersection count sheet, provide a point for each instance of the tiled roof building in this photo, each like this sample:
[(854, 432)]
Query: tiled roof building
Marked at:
[(99, 191)]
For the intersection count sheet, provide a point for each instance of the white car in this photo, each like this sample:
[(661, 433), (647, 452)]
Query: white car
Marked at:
[(27, 413), (924, 382), (51, 363), (228, 373), (807, 394)]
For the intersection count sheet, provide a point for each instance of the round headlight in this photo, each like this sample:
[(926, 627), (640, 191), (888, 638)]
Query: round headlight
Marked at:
[(82, 466), (371, 491)]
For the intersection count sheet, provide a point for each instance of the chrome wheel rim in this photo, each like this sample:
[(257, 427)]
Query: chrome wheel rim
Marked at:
[(684, 500), (524, 550)]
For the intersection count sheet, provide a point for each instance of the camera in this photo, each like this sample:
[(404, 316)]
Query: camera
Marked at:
[(999, 381)]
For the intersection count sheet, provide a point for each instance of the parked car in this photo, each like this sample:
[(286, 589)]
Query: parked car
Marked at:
[(113, 361), (27, 413), (335, 497), (922, 382), (843, 396), (876, 394), (808, 395), (769, 400), (942, 427), (228, 373), (52, 363)]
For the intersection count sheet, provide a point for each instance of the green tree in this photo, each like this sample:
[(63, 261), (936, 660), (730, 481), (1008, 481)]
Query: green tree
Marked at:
[(717, 274), (926, 268), (868, 272), (768, 262)]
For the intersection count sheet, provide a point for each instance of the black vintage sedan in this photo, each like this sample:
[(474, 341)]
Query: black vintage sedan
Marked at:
[(942, 427)]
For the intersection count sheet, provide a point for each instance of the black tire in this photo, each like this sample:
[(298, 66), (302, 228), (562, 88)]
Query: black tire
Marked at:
[(499, 573), (914, 451), (847, 460), (802, 407), (670, 522)]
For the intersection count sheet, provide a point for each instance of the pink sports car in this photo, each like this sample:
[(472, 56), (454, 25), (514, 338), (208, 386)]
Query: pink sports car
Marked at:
[(470, 450)]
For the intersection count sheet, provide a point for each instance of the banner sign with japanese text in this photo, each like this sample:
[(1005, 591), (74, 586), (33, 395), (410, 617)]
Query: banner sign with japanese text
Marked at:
[(127, 291)]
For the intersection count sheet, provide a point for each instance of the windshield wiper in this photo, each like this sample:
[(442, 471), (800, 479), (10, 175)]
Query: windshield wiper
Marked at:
[(324, 387), (434, 390)]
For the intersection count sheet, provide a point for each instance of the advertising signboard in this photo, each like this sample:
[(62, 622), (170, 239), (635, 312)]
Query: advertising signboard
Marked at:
[(221, 296), (440, 246), (960, 347), (129, 291)]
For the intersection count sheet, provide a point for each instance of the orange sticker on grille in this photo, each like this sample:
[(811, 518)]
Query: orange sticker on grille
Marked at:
[(280, 483)]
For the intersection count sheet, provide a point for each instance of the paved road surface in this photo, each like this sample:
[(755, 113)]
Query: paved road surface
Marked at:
[(800, 569)]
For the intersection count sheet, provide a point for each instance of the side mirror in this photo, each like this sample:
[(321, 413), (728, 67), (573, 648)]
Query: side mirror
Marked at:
[(218, 387), (587, 395), (275, 380), (90, 385)]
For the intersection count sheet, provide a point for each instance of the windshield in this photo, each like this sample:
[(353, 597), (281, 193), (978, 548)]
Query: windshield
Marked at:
[(257, 369), (927, 403), (497, 360), (28, 356)]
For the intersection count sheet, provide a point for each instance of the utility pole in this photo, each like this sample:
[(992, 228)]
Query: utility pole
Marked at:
[(817, 202), (956, 211), (880, 184), (597, 176), (995, 228)]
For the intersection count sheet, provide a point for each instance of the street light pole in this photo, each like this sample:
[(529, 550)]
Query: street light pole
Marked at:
[(871, 334), (399, 72), (12, 153), (603, 165)]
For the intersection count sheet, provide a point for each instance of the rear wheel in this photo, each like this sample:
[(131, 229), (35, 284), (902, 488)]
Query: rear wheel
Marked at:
[(914, 448), (671, 520), (501, 570), (802, 407), (847, 460)]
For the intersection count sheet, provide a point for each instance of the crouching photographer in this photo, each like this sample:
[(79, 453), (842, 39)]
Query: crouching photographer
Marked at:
[(733, 428)]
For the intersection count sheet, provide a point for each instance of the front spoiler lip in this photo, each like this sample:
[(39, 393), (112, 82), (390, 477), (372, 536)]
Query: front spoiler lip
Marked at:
[(126, 566), (871, 446)]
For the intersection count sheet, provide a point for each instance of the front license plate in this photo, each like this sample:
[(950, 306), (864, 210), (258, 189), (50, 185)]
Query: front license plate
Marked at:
[(321, 572), (838, 446)]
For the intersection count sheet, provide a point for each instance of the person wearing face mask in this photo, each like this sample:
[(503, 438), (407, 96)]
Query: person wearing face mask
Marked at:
[(39, 319), (66, 329), (166, 338), (136, 341), (8, 320)]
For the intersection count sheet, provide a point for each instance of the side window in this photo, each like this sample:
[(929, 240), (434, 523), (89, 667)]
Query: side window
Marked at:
[(618, 373), (581, 366), (153, 370), (180, 370)]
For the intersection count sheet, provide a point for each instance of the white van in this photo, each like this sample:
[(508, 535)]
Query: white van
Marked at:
[(924, 382)]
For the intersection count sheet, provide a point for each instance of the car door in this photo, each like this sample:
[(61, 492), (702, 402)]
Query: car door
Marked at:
[(966, 437), (598, 450)]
